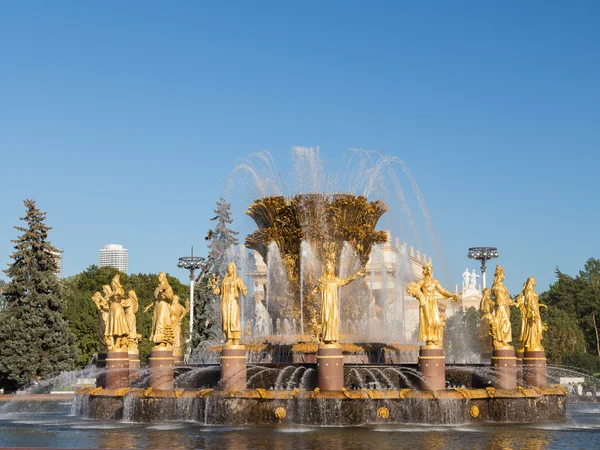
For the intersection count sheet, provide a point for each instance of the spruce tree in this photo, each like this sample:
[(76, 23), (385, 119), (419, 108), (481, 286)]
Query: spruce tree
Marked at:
[(207, 308), (36, 341)]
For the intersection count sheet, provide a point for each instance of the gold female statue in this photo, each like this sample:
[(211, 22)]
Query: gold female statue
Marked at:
[(161, 333), (178, 312), (502, 330), (427, 291), (533, 329), (131, 306), (230, 291), (117, 329), (328, 285), (487, 317), (103, 307)]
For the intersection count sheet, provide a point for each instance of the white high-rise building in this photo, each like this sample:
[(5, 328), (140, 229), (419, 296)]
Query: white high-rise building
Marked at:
[(58, 258), (113, 255)]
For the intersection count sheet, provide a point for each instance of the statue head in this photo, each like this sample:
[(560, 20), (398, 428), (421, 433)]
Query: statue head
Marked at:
[(530, 282), (486, 292), (162, 277), (133, 295), (231, 269), (107, 290), (329, 268), (427, 270), (499, 273)]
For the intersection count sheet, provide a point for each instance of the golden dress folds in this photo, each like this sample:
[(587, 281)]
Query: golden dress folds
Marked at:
[(230, 306)]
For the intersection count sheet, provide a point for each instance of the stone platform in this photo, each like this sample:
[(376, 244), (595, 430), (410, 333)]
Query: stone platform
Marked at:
[(340, 408)]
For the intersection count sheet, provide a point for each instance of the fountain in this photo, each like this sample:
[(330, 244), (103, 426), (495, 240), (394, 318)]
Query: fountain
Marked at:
[(328, 350)]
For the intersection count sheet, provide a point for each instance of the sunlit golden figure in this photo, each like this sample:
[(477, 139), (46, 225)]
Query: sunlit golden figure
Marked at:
[(178, 312), (117, 329), (103, 307), (487, 316), (501, 327), (533, 329), (161, 318), (428, 291), (131, 306), (230, 291), (328, 285)]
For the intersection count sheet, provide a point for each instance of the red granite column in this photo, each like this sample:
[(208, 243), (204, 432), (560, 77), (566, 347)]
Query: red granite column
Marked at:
[(117, 369), (134, 365), (519, 355), (432, 365), (101, 364), (534, 367), (161, 368), (504, 368), (233, 367), (178, 356), (330, 367)]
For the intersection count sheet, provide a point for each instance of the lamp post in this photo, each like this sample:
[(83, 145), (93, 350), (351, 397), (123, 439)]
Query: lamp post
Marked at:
[(191, 263), (482, 254)]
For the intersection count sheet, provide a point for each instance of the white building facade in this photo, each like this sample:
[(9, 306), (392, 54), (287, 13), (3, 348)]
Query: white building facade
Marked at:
[(114, 255)]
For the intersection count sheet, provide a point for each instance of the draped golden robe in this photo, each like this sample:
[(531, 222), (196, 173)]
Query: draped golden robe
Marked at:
[(230, 306)]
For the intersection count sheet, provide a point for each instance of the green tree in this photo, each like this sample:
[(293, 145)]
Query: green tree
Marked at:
[(564, 340), (206, 308), (35, 337)]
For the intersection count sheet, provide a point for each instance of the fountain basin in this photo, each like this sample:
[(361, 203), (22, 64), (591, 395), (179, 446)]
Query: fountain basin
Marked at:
[(338, 408)]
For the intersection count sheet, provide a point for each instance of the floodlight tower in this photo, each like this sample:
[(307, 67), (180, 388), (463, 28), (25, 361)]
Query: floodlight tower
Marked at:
[(482, 254)]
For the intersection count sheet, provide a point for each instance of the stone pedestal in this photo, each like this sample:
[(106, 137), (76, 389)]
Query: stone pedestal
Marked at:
[(233, 367), (178, 357), (101, 364), (161, 368), (519, 355), (504, 368), (534, 368), (134, 365), (117, 369), (330, 367), (432, 365)]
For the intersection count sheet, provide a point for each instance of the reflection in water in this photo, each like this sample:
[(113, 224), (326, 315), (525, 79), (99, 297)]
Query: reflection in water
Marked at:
[(525, 439)]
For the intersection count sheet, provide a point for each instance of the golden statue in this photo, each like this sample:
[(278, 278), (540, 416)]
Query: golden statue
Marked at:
[(103, 307), (328, 285), (117, 329), (443, 318), (230, 291), (532, 325), (131, 306), (178, 312), (162, 332), (487, 316), (500, 325), (427, 291)]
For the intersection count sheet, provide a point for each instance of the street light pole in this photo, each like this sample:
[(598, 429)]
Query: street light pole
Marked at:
[(191, 263), (482, 254)]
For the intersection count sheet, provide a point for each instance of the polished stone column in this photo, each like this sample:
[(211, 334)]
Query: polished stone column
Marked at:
[(134, 365), (178, 356), (161, 368), (330, 367), (519, 355), (504, 367), (534, 367), (117, 369), (233, 367), (101, 364), (432, 365)]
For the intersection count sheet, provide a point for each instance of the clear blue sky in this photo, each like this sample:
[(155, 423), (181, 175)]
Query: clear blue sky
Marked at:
[(123, 119)]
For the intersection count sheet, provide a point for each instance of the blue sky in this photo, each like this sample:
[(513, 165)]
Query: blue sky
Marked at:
[(124, 119)]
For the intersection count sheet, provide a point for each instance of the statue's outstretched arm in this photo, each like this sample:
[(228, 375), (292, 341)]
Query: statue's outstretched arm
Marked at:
[(351, 278)]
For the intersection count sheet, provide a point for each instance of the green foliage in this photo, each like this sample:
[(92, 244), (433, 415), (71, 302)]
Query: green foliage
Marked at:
[(564, 341), (461, 335), (35, 337), (81, 311), (579, 297)]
